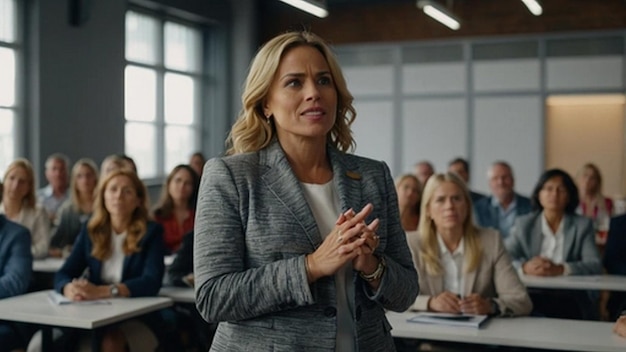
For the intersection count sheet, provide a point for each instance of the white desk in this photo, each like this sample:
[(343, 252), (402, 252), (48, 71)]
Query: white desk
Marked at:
[(48, 265), (36, 308), (577, 282), (529, 332), (179, 294)]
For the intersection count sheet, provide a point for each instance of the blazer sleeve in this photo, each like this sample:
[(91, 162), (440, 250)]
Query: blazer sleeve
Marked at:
[(17, 270), (148, 283), (588, 263), (514, 244), (40, 234), (512, 298), (75, 263), (182, 264), (615, 249), (399, 284), (226, 288)]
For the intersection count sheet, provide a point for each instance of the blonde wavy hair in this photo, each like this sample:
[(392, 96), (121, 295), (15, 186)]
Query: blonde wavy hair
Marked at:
[(429, 247), (251, 132), (29, 200), (74, 194), (99, 226)]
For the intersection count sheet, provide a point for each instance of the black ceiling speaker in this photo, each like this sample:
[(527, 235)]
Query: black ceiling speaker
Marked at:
[(78, 12)]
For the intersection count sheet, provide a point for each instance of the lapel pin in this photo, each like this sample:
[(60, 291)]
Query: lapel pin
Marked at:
[(353, 175)]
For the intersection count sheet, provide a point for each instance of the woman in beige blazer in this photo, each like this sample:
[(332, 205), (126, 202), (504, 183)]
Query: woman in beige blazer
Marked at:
[(462, 268)]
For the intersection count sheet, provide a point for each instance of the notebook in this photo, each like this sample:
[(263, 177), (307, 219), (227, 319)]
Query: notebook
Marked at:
[(467, 320), (60, 300)]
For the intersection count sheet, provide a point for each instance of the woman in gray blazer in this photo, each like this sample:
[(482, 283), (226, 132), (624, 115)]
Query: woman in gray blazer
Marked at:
[(554, 240), (298, 245)]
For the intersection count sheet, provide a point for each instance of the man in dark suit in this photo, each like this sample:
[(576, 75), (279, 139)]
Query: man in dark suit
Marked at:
[(615, 262), (501, 208), (461, 167)]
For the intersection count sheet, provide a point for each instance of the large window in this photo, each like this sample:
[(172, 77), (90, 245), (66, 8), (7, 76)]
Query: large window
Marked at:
[(162, 92), (8, 82)]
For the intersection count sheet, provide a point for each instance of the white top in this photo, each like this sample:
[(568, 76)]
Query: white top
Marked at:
[(37, 222), (552, 245), (112, 267), (453, 266), (324, 203)]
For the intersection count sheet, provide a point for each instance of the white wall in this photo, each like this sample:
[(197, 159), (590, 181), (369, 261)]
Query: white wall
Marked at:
[(484, 110)]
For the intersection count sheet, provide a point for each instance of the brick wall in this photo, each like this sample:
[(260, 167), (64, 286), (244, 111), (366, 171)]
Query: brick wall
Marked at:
[(403, 21)]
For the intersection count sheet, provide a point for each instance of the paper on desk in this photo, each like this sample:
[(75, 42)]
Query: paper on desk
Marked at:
[(467, 320), (60, 300)]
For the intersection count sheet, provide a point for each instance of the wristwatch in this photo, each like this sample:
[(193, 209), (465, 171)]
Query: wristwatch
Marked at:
[(115, 292)]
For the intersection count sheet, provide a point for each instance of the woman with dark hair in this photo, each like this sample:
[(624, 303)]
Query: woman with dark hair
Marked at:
[(553, 240), (176, 208)]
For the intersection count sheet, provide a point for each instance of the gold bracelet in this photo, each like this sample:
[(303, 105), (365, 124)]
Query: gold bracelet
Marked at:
[(377, 274), (306, 266)]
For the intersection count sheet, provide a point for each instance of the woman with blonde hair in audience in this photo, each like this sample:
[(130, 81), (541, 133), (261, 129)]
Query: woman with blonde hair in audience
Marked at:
[(176, 208), (462, 268), (409, 192), (122, 251), (75, 212), (19, 205), (593, 204)]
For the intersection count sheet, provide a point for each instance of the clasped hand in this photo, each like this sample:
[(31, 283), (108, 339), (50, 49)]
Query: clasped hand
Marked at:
[(81, 290), (540, 266), (352, 239), (448, 302)]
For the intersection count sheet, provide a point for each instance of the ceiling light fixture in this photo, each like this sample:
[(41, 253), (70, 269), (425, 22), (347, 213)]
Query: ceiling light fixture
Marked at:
[(533, 6), (439, 13), (314, 7)]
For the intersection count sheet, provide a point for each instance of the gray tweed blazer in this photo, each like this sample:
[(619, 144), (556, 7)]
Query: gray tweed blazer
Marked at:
[(253, 228)]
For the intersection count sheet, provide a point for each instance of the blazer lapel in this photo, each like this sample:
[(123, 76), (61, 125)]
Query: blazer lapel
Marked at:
[(536, 237), (569, 234), (468, 281), (282, 182), (347, 179)]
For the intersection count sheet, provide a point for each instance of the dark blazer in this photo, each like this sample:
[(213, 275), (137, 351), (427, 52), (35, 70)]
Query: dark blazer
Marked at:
[(487, 214), (182, 264), (615, 249), (16, 260), (253, 229), (142, 272), (579, 247)]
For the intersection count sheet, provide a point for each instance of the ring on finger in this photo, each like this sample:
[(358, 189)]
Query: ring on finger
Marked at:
[(339, 237)]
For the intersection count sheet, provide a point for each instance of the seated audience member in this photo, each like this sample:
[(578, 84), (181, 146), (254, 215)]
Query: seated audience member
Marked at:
[(19, 205), (196, 162), (592, 203), (122, 251), (462, 268), (129, 162), (615, 262), (423, 170), (620, 326), (461, 167), (501, 208), (16, 263), (409, 196), (553, 241), (111, 163), (52, 196), (74, 212), (180, 274), (175, 210)]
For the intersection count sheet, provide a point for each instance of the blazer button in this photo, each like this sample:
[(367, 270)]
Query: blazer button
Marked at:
[(358, 313), (330, 312)]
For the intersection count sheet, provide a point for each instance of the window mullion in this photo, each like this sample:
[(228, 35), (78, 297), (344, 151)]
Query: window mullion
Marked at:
[(160, 118)]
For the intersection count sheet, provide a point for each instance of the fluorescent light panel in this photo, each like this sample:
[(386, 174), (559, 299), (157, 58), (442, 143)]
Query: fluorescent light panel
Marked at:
[(314, 7), (533, 6), (439, 13)]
